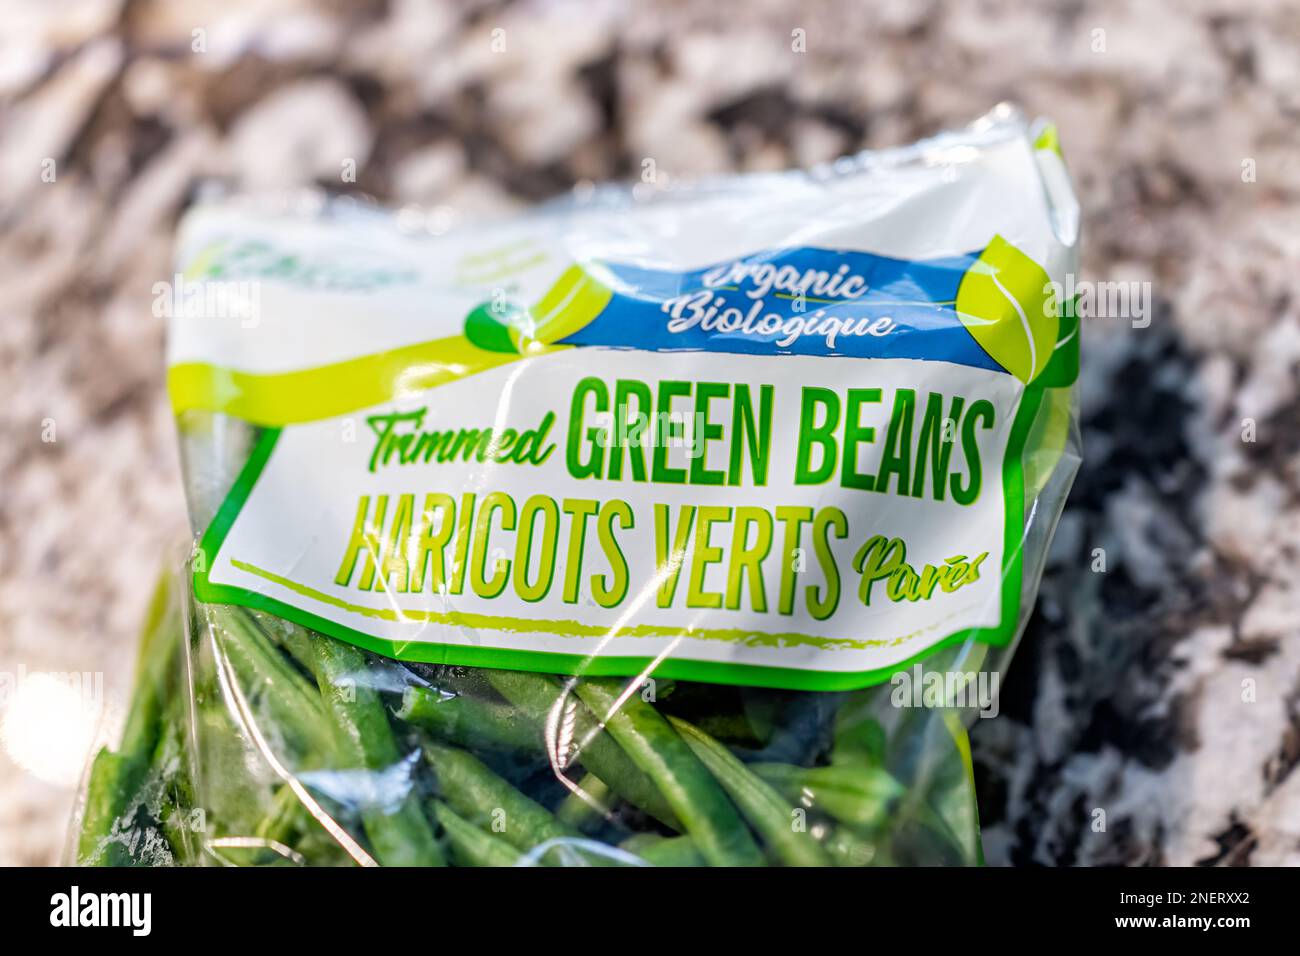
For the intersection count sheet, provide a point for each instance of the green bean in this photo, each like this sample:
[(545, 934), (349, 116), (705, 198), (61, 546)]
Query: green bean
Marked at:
[(129, 799), (364, 740), (172, 822), (857, 796), (297, 641), (587, 807), (699, 802), (116, 778), (859, 737), (766, 810), (535, 696), (273, 838), (285, 817), (291, 825), (468, 721), (155, 672), (271, 684), (477, 793), (112, 777), (471, 846), (664, 851), (170, 763)]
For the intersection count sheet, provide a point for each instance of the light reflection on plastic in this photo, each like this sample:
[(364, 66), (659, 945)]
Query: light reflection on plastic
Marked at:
[(49, 728), (415, 379)]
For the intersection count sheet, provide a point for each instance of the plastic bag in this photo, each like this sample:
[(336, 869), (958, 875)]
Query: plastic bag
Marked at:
[(682, 529)]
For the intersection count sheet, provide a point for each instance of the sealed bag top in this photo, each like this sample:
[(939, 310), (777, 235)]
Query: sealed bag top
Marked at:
[(779, 430)]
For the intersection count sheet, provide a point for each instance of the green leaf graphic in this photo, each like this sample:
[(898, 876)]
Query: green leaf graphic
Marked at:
[(489, 327), (575, 299), (1006, 302)]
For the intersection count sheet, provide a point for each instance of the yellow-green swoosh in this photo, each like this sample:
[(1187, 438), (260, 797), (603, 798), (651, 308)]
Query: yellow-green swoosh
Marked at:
[(311, 394)]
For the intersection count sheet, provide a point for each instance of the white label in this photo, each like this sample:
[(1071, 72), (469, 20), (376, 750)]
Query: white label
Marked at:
[(819, 521)]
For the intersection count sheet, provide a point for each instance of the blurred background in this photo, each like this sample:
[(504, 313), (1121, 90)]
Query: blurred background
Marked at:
[(1159, 681)]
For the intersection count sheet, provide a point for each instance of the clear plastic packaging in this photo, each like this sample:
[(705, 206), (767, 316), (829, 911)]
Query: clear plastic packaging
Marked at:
[(256, 738)]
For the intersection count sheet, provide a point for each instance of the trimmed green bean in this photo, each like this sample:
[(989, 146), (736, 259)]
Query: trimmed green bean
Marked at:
[(471, 846), (270, 683), (664, 851), (283, 819), (113, 777), (766, 810), (587, 807), (171, 766), (477, 793), (401, 836), (468, 721), (535, 695), (116, 778), (698, 800), (857, 796), (859, 736), (155, 673)]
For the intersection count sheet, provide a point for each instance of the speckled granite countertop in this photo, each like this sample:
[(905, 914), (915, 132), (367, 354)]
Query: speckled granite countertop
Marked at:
[(1164, 690)]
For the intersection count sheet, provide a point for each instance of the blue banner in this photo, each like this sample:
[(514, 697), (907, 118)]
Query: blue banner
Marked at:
[(800, 301)]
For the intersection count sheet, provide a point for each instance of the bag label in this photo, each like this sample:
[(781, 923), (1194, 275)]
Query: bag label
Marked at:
[(784, 520), (791, 431)]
